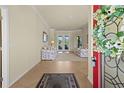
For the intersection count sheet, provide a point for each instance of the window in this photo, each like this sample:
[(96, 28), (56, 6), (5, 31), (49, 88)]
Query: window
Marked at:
[(79, 43)]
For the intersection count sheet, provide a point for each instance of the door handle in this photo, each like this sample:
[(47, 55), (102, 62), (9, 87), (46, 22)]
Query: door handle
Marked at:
[(94, 61)]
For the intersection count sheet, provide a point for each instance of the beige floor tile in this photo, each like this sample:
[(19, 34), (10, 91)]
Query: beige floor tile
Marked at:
[(64, 63), (30, 79)]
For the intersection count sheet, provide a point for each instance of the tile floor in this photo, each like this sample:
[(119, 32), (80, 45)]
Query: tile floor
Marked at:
[(80, 69)]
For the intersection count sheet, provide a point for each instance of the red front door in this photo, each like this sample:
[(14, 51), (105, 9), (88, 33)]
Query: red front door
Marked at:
[(97, 70), (97, 56)]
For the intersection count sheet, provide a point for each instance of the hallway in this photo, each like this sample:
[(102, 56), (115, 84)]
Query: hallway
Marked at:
[(30, 79)]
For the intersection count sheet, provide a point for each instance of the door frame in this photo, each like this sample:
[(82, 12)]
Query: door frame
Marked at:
[(5, 46), (97, 55)]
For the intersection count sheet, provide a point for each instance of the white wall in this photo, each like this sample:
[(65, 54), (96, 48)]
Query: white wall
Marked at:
[(51, 36), (25, 40)]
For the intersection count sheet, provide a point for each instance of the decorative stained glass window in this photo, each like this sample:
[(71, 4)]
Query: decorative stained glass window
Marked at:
[(109, 42)]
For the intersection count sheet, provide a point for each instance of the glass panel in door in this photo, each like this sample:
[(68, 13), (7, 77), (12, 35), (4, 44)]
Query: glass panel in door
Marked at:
[(109, 39), (60, 43), (66, 42)]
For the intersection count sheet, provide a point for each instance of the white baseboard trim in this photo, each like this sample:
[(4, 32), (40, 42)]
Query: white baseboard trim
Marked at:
[(23, 74)]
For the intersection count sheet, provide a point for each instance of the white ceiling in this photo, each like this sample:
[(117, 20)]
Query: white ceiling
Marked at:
[(64, 17)]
